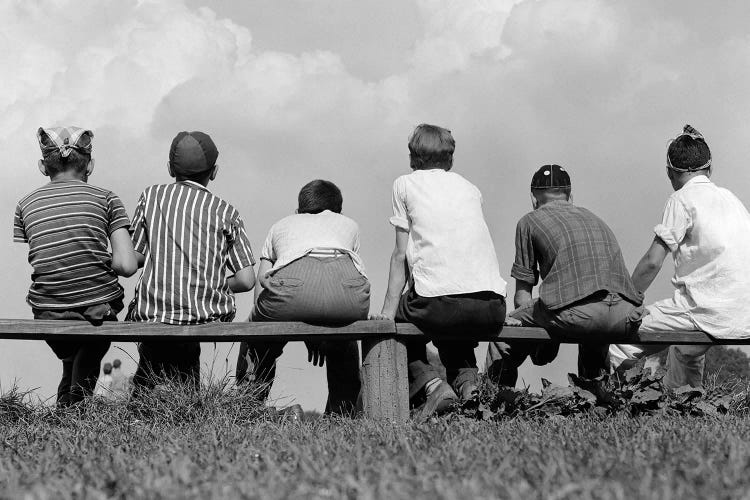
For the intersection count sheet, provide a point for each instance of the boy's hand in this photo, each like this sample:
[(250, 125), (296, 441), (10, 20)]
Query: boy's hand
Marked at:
[(316, 353), (510, 321)]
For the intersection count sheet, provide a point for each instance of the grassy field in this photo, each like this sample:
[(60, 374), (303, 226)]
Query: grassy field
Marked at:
[(222, 444)]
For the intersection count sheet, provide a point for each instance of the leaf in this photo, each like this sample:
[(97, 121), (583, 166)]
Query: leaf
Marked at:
[(687, 393), (633, 373), (646, 396)]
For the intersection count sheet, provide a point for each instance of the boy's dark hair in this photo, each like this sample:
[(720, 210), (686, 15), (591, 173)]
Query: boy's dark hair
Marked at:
[(556, 191), (688, 154), (319, 195), (431, 146), (55, 163), (107, 368)]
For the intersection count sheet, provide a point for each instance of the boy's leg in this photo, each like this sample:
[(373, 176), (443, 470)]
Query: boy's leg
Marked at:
[(85, 369), (460, 364), (65, 352), (342, 372), (260, 359), (504, 358)]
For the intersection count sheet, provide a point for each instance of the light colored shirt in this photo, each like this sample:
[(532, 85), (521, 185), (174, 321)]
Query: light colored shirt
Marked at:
[(449, 250), (120, 383), (193, 241), (708, 231), (299, 235)]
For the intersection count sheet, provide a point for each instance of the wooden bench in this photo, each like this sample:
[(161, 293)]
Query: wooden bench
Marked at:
[(384, 369)]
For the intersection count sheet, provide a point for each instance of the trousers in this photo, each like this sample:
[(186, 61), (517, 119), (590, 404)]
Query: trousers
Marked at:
[(318, 290), (685, 363), (81, 359), (472, 313), (601, 315)]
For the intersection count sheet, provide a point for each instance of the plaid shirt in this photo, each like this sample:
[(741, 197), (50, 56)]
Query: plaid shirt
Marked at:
[(574, 252)]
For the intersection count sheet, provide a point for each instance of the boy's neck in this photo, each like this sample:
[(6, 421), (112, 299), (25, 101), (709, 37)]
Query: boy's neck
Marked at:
[(69, 175), (203, 181)]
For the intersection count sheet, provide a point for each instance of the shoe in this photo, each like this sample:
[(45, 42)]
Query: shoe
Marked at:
[(439, 401), (469, 390), (293, 413)]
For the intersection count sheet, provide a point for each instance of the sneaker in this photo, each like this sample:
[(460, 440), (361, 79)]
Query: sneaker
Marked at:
[(469, 390), (439, 401)]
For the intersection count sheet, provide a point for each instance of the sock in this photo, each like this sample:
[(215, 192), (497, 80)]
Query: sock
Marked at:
[(430, 386)]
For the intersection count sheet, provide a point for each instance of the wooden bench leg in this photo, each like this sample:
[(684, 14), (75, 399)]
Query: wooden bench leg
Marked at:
[(385, 380)]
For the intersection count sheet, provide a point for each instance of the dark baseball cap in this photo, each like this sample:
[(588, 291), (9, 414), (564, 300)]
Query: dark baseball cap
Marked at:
[(192, 153), (550, 176)]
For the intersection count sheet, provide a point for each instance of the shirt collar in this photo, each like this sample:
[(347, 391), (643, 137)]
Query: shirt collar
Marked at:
[(194, 184), (698, 179)]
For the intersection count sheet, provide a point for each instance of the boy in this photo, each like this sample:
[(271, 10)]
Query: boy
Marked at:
[(104, 385), (195, 255), (310, 270), (454, 278), (68, 225), (585, 291), (707, 231)]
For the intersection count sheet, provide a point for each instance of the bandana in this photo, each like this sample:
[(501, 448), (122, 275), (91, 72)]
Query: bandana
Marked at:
[(64, 140), (690, 132)]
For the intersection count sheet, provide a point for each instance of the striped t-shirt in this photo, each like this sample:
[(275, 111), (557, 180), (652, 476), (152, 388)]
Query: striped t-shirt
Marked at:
[(67, 225), (192, 241)]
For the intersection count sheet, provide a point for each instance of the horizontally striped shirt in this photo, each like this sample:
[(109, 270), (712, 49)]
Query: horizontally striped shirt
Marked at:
[(67, 225), (192, 241)]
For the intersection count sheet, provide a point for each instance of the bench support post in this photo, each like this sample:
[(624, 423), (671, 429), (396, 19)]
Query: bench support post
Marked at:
[(385, 380)]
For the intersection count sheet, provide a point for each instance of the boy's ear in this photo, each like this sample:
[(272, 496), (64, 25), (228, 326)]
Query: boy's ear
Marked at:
[(214, 171), (169, 168), (43, 168), (90, 167)]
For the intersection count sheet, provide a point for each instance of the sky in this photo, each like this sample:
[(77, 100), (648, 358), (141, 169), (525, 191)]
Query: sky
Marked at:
[(293, 90)]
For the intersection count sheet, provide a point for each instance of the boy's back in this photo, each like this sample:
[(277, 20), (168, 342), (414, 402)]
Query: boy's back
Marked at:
[(190, 238), (67, 226)]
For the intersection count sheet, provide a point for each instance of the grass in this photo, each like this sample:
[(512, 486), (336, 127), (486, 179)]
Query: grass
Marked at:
[(223, 444)]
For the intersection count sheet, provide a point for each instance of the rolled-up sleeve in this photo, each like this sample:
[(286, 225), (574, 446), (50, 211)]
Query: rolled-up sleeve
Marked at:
[(675, 224), (400, 217), (138, 228), (268, 252), (525, 266), (240, 254)]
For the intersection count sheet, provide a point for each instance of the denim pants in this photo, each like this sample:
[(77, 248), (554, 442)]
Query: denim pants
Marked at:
[(471, 313), (597, 317), (317, 290), (81, 359)]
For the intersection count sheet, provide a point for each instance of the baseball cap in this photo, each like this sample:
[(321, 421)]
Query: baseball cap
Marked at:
[(550, 176), (192, 153), (64, 140)]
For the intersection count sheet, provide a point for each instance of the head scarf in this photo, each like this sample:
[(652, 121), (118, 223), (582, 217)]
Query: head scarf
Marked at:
[(693, 133), (64, 140)]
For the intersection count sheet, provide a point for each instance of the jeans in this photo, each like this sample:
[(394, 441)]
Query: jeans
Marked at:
[(685, 363), (598, 316), (318, 290), (473, 313), (81, 359)]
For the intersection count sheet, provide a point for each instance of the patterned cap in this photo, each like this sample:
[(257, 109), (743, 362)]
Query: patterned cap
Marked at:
[(192, 153), (550, 176), (64, 140)]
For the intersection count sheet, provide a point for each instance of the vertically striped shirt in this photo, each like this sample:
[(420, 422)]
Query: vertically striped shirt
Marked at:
[(67, 225), (192, 241)]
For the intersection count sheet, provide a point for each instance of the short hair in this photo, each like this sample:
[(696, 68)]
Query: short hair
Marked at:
[(688, 153), (107, 368), (56, 163), (319, 195), (554, 192), (431, 146), (116, 363)]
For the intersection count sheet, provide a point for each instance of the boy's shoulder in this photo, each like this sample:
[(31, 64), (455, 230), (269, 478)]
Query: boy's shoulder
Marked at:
[(64, 188), (326, 218)]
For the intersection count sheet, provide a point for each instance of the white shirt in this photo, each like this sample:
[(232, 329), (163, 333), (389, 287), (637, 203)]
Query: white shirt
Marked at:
[(450, 250), (708, 231), (297, 235), (104, 386)]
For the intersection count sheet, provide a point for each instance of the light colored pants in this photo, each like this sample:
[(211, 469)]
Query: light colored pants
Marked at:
[(685, 363)]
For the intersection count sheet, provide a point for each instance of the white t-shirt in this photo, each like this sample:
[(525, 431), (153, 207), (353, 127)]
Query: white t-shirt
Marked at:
[(297, 235), (708, 231), (450, 250)]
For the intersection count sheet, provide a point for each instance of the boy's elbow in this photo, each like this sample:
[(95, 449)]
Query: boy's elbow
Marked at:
[(125, 269), (398, 256)]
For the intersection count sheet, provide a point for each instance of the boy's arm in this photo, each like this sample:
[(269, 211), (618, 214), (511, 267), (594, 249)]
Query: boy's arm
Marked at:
[(650, 264), (124, 260), (522, 296), (243, 280), (396, 276), (263, 269)]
